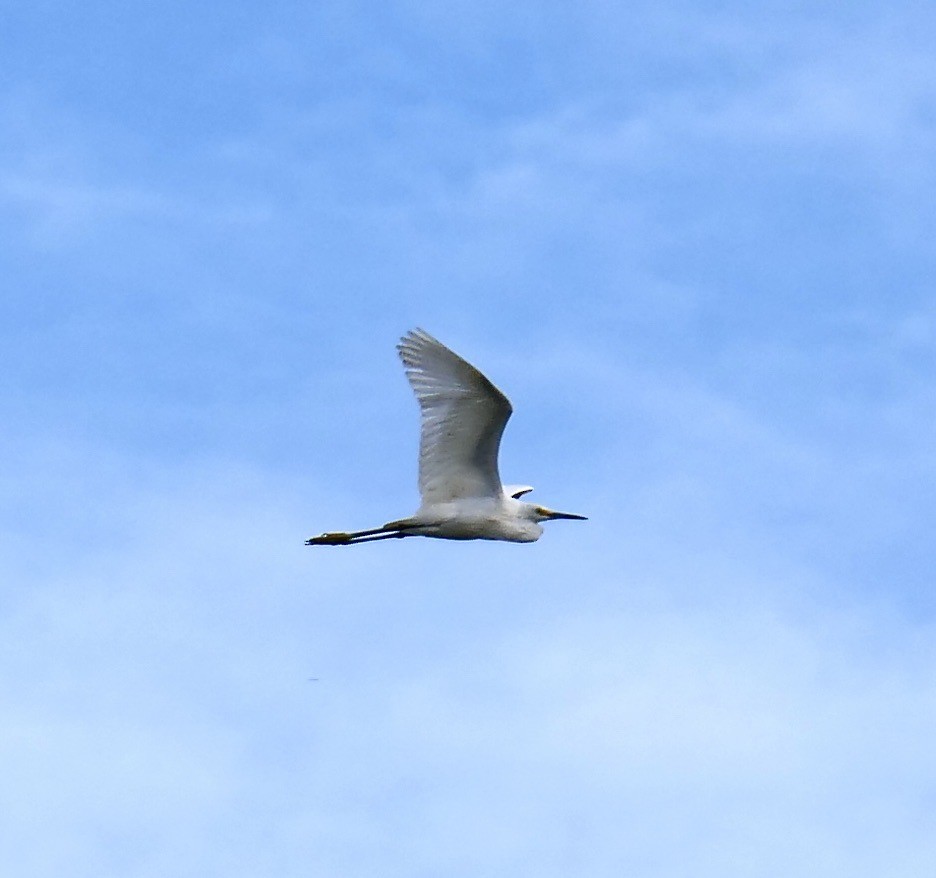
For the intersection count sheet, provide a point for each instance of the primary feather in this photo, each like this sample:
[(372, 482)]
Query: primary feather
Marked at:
[(463, 419)]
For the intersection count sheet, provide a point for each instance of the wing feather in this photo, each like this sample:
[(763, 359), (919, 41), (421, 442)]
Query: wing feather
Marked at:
[(463, 419)]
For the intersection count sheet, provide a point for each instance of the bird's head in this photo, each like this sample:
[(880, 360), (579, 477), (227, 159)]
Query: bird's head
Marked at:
[(541, 513)]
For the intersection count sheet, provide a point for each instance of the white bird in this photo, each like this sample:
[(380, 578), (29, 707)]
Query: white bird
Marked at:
[(463, 418)]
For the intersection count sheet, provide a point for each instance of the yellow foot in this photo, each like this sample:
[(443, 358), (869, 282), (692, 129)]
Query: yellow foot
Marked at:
[(332, 539)]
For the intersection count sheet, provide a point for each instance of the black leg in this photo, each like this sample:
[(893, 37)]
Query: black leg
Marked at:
[(340, 538)]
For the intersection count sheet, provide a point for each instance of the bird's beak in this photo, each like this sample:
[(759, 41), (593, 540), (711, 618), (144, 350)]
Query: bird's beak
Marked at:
[(571, 516)]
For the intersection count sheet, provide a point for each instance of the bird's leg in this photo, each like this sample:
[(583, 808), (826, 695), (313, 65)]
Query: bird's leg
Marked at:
[(396, 534), (341, 538)]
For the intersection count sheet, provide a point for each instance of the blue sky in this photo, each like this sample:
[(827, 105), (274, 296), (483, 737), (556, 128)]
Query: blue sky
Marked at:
[(692, 243)]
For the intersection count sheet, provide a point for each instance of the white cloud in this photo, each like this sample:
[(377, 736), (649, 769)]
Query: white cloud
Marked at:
[(58, 214), (659, 737), (482, 709)]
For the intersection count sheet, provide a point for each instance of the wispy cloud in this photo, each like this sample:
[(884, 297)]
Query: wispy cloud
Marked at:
[(160, 697)]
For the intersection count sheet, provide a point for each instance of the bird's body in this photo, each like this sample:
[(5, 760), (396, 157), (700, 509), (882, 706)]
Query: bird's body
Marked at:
[(475, 518), (463, 418)]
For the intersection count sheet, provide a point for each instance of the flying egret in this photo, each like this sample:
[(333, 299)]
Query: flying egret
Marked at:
[(463, 418)]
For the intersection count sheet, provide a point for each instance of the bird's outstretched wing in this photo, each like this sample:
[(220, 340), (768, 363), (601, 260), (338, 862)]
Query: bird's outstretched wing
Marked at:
[(463, 418)]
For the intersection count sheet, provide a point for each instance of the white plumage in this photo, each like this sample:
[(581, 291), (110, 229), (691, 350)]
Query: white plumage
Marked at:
[(463, 419)]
